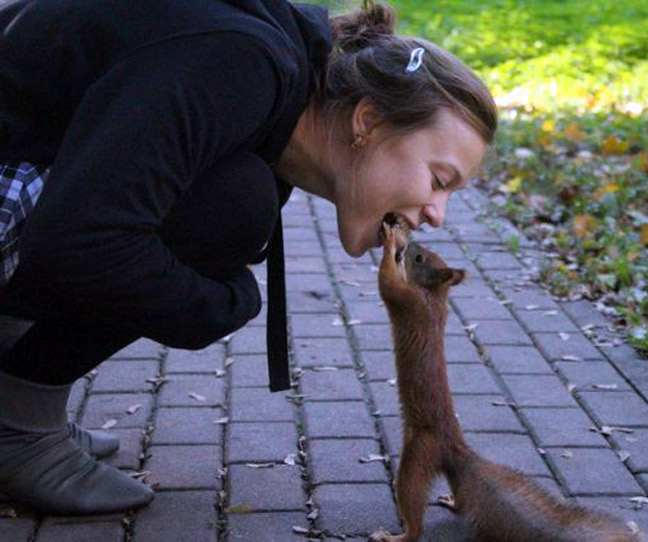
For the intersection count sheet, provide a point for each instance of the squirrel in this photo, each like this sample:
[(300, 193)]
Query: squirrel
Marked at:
[(499, 503)]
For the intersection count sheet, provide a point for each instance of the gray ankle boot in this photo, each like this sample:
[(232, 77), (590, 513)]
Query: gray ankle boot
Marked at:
[(41, 465), (96, 443)]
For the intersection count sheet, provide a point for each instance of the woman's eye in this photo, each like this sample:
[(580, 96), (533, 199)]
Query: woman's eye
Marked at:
[(437, 184), (419, 258)]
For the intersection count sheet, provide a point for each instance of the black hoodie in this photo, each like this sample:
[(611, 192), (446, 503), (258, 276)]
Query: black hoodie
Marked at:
[(132, 102)]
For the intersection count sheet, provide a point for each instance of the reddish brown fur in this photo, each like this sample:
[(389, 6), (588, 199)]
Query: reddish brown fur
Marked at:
[(501, 504)]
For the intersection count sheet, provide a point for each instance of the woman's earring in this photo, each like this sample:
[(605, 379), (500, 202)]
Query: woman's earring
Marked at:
[(358, 142)]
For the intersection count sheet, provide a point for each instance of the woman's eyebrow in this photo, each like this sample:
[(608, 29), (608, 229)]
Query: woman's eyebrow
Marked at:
[(456, 178)]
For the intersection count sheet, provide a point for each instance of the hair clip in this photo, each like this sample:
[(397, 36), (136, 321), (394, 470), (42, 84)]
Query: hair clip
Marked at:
[(416, 59)]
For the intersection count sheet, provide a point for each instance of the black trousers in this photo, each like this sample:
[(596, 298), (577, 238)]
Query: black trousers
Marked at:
[(62, 345)]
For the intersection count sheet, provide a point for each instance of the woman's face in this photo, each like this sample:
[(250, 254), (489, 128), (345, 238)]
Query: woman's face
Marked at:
[(412, 175)]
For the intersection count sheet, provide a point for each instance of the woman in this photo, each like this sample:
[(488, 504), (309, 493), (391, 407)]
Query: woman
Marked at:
[(165, 137)]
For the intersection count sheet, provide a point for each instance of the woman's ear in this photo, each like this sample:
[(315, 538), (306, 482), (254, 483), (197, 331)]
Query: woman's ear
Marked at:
[(364, 118)]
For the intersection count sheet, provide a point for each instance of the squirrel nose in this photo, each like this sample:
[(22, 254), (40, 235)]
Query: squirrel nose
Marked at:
[(434, 213)]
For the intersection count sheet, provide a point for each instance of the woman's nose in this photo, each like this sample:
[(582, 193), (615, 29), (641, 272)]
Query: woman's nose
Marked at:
[(434, 212)]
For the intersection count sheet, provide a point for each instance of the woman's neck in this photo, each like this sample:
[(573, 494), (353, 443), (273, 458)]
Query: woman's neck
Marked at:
[(308, 160)]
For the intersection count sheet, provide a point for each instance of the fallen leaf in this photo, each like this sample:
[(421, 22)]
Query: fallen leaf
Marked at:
[(605, 386), (612, 145), (8, 513), (146, 477), (290, 459), (337, 322), (222, 421), (300, 530), (355, 322), (109, 423), (313, 514), (260, 465), (567, 454), (196, 396), (624, 455), (571, 387), (511, 187), (564, 336), (573, 133), (643, 234), (639, 502), (550, 313), (372, 457), (220, 373), (392, 381), (446, 500), (532, 307), (228, 338), (157, 382), (471, 327), (582, 225), (133, 409), (569, 357), (502, 403), (229, 361), (244, 508), (325, 368), (542, 451)]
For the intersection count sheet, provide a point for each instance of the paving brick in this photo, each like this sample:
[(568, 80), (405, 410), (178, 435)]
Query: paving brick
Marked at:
[(249, 340), (330, 385), (460, 350), (393, 427), (497, 260), (386, 398), (554, 348), (184, 467), (544, 321), (620, 507), (483, 413), (379, 364), (486, 309), (268, 526), (473, 288), (563, 427), (305, 264), (76, 398), (188, 425), (531, 297), (259, 405), (516, 451), (587, 375), (475, 233), (339, 461), (584, 313), (140, 349), (188, 390), (356, 508), (307, 283), (442, 525), (258, 489), (354, 294), (617, 408), (631, 365), (593, 471), (101, 408), (323, 419), (180, 515), (538, 390), (16, 529), (51, 531), (323, 352), (351, 273), (318, 325), (300, 234), (368, 312), (517, 360), (130, 449), (249, 371), (261, 442), (313, 300), (471, 378), (303, 248), (207, 360), (125, 376), (636, 444), (374, 337), (501, 332)]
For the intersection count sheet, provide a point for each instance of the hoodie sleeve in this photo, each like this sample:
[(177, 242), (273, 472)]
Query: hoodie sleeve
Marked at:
[(143, 132)]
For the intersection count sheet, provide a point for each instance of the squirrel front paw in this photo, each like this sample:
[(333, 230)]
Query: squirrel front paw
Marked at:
[(394, 240)]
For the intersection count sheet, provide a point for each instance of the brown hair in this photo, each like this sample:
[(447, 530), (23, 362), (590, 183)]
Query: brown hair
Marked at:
[(369, 60)]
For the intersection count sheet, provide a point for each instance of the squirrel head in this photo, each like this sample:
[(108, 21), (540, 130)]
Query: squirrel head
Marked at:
[(426, 269)]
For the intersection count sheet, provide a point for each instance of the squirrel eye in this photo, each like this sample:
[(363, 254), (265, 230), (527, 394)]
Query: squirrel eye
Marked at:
[(419, 258)]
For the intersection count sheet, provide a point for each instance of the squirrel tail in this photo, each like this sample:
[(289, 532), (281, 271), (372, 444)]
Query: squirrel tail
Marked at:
[(503, 505)]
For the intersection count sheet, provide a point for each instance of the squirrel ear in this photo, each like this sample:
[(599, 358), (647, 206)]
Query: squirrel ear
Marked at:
[(452, 276)]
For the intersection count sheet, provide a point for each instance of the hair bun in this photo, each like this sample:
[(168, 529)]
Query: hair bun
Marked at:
[(357, 30)]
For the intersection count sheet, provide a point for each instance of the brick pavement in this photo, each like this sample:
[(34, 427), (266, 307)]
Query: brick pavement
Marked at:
[(233, 462)]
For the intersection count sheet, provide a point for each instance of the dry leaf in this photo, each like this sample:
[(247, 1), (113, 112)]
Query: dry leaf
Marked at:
[(582, 225), (146, 478), (532, 307), (313, 514), (567, 454), (260, 465), (564, 336), (300, 530), (290, 459), (325, 368), (337, 322), (639, 502), (511, 187), (133, 409), (624, 455), (571, 387), (8, 513), (355, 322), (569, 357), (502, 403), (550, 313), (222, 421), (392, 381), (612, 145), (643, 234), (244, 508), (229, 361), (542, 451), (372, 457), (605, 386), (109, 423), (220, 373), (573, 133), (471, 327), (446, 500), (196, 396)]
